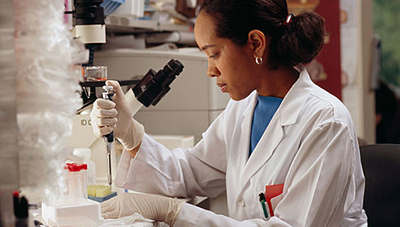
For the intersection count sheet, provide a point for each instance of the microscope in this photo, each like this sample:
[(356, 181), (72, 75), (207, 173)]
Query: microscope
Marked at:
[(89, 27)]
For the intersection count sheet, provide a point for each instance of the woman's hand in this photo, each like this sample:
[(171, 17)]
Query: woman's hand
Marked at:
[(115, 115), (154, 207)]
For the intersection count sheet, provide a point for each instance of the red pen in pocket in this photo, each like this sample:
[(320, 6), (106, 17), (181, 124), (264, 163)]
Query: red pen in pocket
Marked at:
[(272, 191)]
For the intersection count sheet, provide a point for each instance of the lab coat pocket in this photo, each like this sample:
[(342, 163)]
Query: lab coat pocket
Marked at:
[(275, 201), (273, 195)]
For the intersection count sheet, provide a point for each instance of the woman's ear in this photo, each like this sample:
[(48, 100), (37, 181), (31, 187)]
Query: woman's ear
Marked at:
[(258, 42)]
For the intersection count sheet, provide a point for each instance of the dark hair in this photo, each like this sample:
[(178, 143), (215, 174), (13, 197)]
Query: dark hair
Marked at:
[(298, 42)]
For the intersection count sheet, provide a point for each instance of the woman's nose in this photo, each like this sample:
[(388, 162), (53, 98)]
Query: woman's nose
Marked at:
[(212, 71)]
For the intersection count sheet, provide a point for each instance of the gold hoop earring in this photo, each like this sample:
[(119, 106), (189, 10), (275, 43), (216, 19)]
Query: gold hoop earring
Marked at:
[(259, 60)]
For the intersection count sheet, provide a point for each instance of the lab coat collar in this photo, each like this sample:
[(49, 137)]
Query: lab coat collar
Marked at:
[(295, 98), (293, 101)]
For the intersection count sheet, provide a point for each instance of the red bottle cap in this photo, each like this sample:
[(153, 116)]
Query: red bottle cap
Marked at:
[(73, 167)]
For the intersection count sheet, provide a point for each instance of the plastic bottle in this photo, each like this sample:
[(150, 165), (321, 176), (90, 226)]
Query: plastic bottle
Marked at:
[(85, 154), (76, 184)]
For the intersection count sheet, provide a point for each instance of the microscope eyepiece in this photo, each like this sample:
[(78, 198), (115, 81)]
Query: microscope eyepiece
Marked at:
[(173, 67), (165, 76), (154, 86)]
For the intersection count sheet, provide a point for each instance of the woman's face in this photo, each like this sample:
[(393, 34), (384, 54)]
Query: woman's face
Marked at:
[(231, 64)]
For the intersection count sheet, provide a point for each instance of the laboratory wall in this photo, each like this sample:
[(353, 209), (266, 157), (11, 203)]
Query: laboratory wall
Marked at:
[(356, 58), (366, 117), (330, 54)]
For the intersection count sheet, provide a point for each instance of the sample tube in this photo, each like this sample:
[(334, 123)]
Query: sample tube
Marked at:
[(76, 184)]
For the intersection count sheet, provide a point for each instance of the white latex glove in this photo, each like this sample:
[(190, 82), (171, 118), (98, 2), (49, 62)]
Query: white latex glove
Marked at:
[(115, 115), (154, 207)]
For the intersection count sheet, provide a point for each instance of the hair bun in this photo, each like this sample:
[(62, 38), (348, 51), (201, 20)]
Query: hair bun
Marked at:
[(301, 40)]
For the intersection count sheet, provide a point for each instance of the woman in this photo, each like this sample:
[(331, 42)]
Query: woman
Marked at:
[(280, 135)]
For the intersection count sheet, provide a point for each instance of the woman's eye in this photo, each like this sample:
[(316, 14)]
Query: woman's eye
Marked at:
[(214, 56)]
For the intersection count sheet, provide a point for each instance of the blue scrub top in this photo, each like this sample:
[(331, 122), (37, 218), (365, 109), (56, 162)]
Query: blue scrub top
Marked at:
[(264, 111)]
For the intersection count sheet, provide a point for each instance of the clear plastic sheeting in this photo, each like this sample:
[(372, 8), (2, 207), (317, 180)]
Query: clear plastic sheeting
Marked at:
[(8, 123), (47, 92)]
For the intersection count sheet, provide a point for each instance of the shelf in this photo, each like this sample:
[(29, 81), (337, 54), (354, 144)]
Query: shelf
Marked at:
[(131, 24)]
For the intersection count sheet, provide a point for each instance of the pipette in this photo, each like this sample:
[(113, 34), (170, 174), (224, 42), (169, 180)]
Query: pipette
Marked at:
[(109, 138)]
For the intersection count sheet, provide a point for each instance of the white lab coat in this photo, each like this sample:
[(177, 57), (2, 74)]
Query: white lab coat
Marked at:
[(310, 146)]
